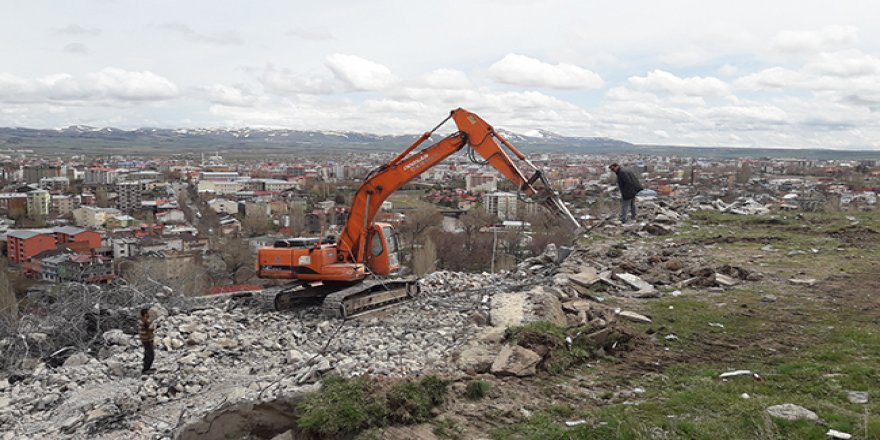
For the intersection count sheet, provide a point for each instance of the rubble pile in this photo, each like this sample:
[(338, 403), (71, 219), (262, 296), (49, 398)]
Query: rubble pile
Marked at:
[(221, 352)]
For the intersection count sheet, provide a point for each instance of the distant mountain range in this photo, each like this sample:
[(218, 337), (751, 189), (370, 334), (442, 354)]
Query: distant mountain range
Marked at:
[(81, 139)]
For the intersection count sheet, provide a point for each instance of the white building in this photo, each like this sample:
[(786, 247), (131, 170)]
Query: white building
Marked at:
[(501, 204)]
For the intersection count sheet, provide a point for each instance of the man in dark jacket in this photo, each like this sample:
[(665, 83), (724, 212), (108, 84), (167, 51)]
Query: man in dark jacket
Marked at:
[(629, 186), (146, 332)]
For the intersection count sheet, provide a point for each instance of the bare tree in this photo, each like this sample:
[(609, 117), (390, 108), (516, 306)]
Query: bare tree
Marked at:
[(237, 260), (418, 222), (472, 221), (8, 300), (256, 224)]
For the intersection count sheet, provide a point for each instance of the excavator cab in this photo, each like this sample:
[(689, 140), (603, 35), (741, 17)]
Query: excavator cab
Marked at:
[(383, 256)]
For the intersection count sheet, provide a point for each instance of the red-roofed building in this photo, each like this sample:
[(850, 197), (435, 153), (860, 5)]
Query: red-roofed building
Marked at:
[(23, 244)]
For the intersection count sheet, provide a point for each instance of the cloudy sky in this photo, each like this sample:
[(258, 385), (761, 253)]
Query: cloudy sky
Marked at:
[(743, 73)]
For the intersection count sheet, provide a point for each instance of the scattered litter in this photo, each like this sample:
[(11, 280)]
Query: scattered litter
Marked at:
[(736, 373), (838, 435), (676, 293), (575, 422), (745, 396), (671, 337), (716, 324)]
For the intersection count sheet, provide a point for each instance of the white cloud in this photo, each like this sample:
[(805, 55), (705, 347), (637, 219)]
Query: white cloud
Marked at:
[(360, 73), (126, 85), (662, 82), (525, 71), (230, 95), (849, 63), (109, 84), (816, 40), (447, 79), (777, 78)]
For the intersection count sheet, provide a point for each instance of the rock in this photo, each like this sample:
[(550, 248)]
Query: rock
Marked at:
[(478, 318), (634, 317), (294, 356), (515, 361), (77, 359), (548, 308), (724, 280), (790, 411), (196, 338), (70, 423), (658, 229), (4, 403), (642, 287), (768, 298), (116, 337), (860, 397), (674, 265), (586, 277), (810, 282), (116, 368)]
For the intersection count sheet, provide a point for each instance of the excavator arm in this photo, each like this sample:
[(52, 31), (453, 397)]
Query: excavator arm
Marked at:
[(473, 131)]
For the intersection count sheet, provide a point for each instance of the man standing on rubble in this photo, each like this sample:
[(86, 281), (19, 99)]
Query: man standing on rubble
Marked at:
[(146, 332), (629, 186)]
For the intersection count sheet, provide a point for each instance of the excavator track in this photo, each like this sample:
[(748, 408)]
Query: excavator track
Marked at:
[(369, 295)]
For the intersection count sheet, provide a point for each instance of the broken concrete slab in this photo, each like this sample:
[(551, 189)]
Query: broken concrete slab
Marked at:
[(790, 411), (810, 282), (724, 280), (637, 283), (514, 360), (860, 397), (586, 277), (634, 317)]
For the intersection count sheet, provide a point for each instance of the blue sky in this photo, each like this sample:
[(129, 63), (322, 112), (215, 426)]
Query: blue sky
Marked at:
[(746, 73)]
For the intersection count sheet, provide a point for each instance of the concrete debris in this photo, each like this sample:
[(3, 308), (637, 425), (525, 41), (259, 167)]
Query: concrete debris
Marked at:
[(803, 281), (860, 397), (724, 280), (790, 411), (838, 435), (637, 283), (514, 360), (634, 317)]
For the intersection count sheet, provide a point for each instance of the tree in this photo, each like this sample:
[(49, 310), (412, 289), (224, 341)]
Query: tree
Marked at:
[(472, 221), (8, 300), (237, 260), (418, 222)]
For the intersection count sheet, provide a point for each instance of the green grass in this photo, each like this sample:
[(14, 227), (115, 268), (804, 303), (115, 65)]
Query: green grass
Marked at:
[(344, 407), (477, 389)]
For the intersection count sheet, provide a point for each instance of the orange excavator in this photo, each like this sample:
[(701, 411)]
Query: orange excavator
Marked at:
[(359, 272)]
